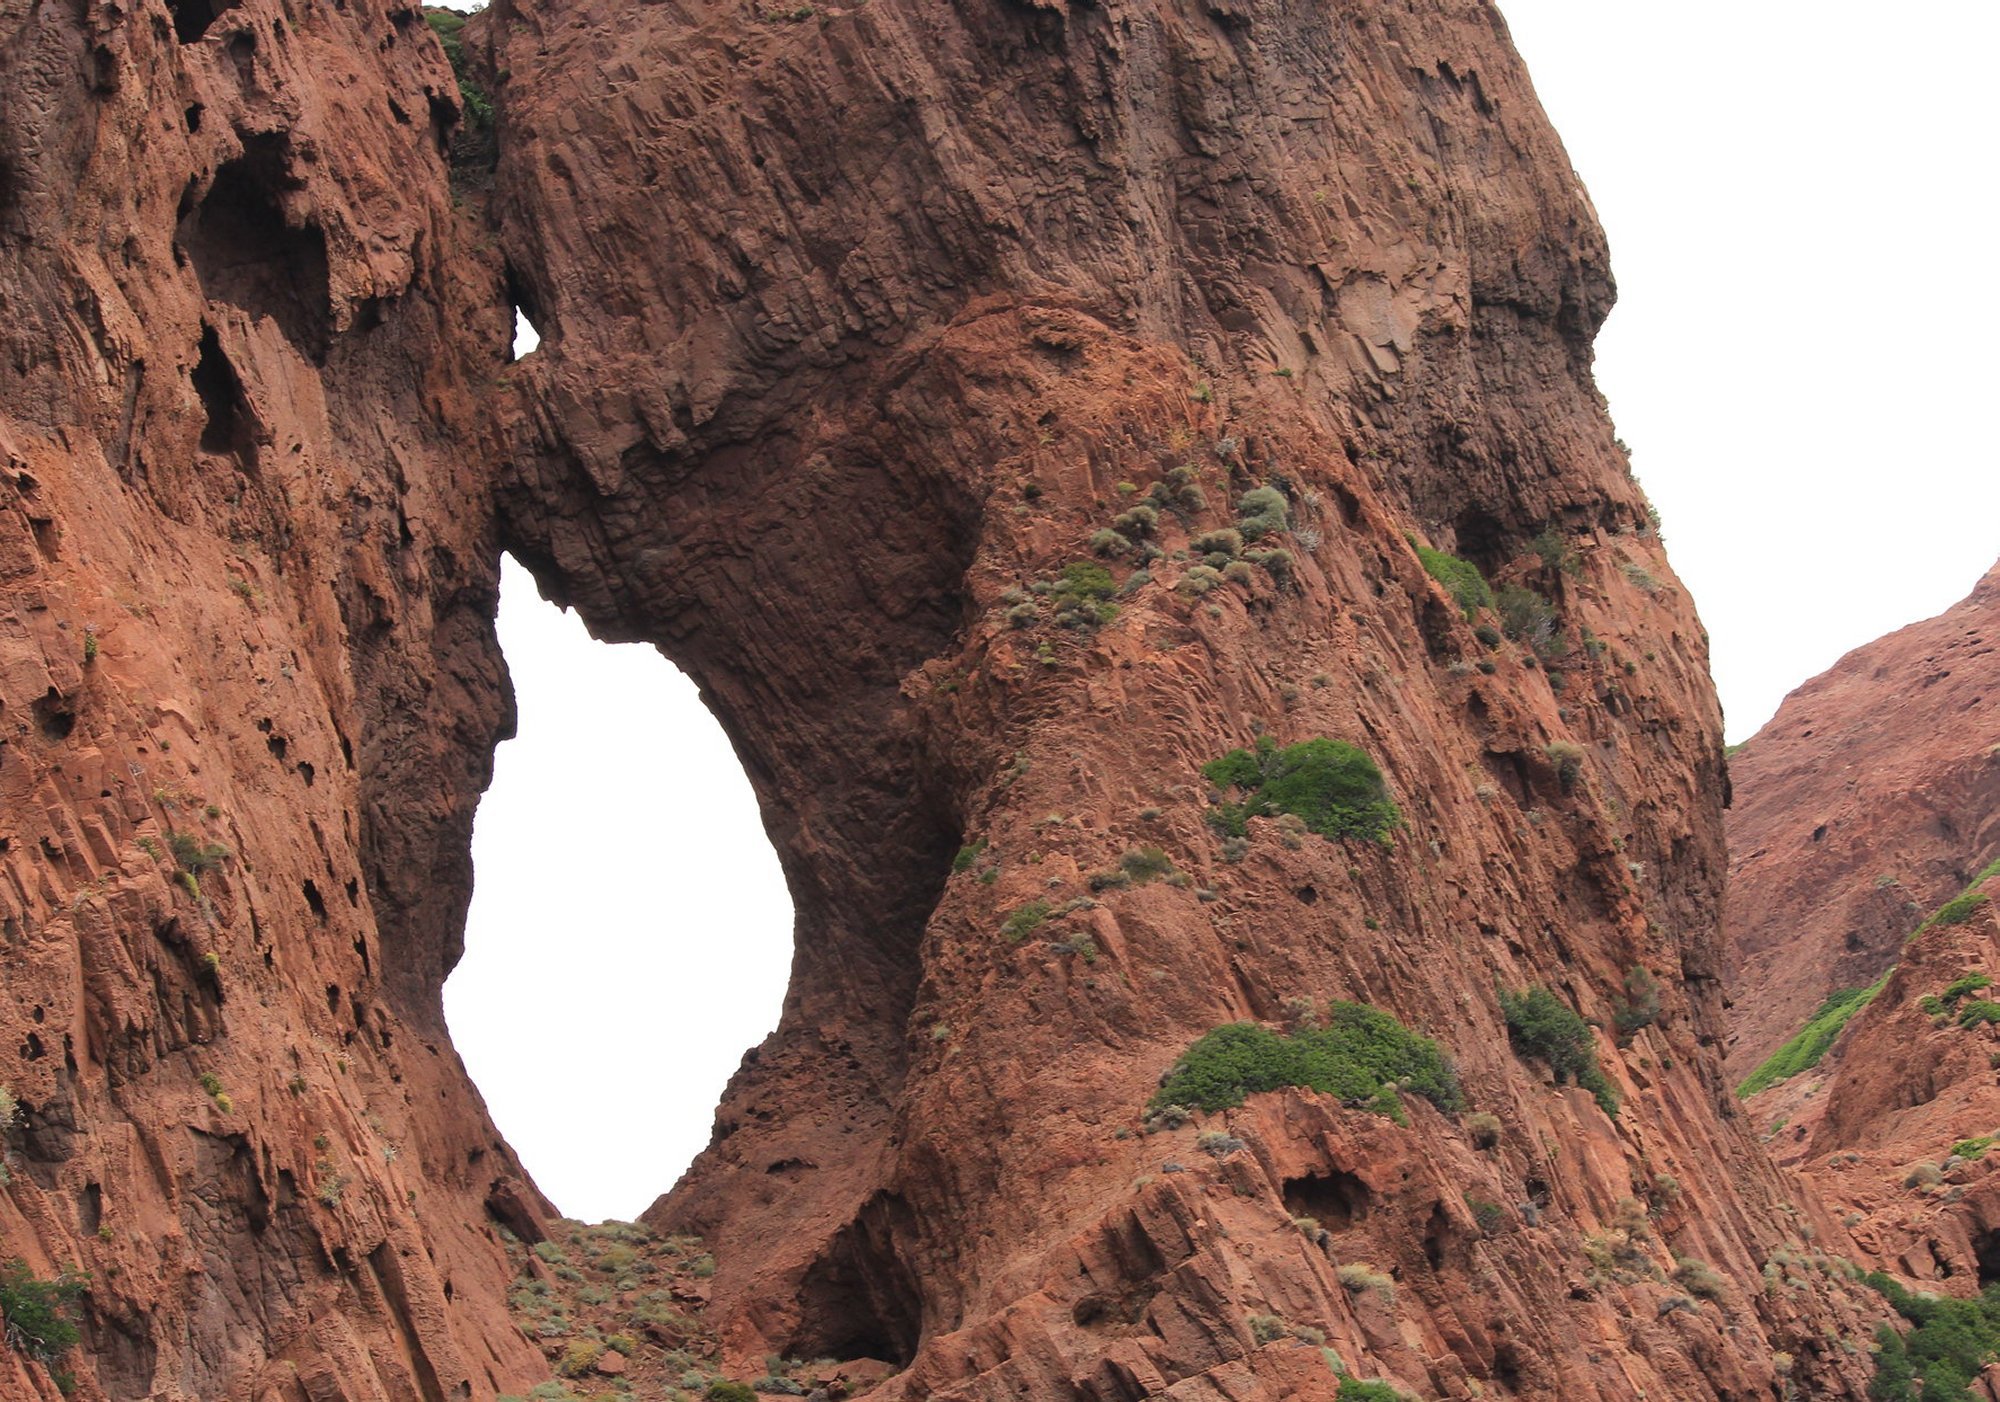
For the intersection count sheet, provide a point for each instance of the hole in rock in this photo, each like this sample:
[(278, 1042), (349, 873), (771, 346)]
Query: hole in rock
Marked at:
[(225, 425), (192, 18), (630, 931), (526, 337), (1986, 1251), (249, 252), (1334, 1198), (860, 1300)]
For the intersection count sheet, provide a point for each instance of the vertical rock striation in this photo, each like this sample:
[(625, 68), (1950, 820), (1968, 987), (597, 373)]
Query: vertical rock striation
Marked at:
[(248, 698)]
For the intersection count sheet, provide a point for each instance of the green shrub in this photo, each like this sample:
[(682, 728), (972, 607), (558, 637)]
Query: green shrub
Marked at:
[(1961, 908), (1024, 921), (1529, 619), (1266, 1328), (1139, 521), (1539, 1024), (1979, 1011), (1222, 542), (37, 1311), (449, 25), (1962, 985), (720, 1391), (1804, 1049), (192, 854), (1948, 1347), (1260, 512), (1082, 595), (1354, 1056), (1640, 1007), (1553, 547), (1360, 1277), (1108, 542), (1335, 787), (1972, 1148), (1461, 579), (1276, 563), (1143, 864), (968, 855), (1368, 1390)]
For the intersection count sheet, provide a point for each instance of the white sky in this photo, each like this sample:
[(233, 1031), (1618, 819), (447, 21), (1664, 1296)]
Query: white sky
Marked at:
[(1801, 211)]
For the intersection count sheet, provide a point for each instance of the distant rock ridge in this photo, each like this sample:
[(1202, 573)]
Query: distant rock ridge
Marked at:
[(1872, 796)]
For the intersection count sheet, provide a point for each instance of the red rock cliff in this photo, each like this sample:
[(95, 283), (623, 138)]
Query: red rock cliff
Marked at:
[(1872, 796), (248, 697), (861, 323)]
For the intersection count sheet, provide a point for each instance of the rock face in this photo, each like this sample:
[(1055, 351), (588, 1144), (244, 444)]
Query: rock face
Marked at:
[(857, 330), (1866, 811), (865, 326), (1872, 796), (248, 697)]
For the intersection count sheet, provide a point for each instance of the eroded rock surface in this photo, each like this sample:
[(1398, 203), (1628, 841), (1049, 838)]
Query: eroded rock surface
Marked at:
[(859, 326), (248, 696), (861, 322)]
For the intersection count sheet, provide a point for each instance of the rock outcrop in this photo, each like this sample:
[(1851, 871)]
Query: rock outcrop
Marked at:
[(1866, 852), (1002, 410), (248, 697), (1870, 798)]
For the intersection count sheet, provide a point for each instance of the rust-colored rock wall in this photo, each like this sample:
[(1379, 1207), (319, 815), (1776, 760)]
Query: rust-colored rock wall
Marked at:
[(1872, 796), (246, 589), (1864, 811), (859, 324)]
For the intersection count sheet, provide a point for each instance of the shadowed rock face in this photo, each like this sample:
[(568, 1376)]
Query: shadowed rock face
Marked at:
[(859, 324), (1872, 796)]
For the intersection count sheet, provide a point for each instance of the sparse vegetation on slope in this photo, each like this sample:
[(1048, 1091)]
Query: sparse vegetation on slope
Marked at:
[(1803, 1050)]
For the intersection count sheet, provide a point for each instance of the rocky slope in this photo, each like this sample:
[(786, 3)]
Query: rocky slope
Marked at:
[(1871, 797), (913, 374), (1868, 852)]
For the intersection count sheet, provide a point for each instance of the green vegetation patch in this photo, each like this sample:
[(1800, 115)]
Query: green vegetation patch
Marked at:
[(449, 26), (1803, 1050), (1963, 906), (1461, 579), (1539, 1024), (37, 1313), (1355, 1056), (1946, 1349), (1332, 785)]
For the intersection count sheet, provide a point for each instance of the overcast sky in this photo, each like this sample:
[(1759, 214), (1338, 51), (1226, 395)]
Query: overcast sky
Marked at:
[(1801, 212)]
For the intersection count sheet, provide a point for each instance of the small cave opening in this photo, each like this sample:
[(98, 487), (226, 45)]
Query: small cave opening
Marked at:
[(249, 252), (860, 1299), (225, 408), (1335, 1199), (527, 320), (628, 915), (1986, 1255), (192, 18)]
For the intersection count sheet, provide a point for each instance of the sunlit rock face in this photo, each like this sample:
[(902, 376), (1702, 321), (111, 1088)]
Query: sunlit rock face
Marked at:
[(865, 327)]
